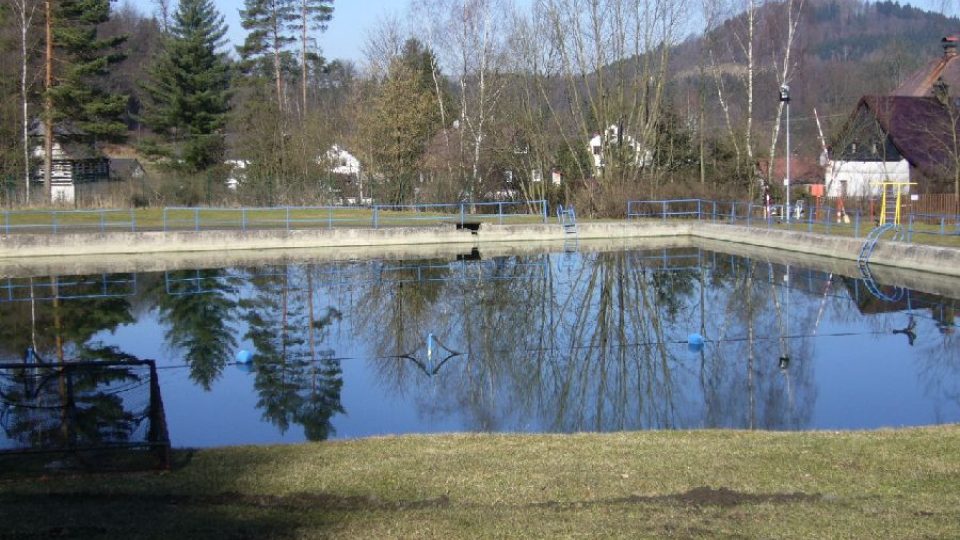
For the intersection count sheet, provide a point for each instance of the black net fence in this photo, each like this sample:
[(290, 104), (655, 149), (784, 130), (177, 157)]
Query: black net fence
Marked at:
[(94, 416)]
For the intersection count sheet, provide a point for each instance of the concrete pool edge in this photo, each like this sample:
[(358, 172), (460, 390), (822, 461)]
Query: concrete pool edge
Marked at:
[(71, 250)]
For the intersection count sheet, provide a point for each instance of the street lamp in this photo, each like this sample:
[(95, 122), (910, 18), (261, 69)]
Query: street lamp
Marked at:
[(785, 98)]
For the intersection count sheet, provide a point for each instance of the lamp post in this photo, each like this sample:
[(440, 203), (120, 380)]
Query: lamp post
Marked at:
[(785, 98)]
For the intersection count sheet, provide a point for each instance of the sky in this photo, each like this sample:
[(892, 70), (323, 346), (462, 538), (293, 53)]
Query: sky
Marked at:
[(344, 38), (353, 19)]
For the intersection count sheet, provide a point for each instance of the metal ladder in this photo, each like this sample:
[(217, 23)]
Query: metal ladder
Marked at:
[(890, 205), (863, 261), (568, 220)]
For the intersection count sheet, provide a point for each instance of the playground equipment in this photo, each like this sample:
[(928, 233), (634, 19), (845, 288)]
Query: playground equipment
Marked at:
[(889, 220)]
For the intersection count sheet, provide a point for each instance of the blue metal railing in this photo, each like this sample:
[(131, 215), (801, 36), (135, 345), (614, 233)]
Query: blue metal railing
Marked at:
[(278, 218), (826, 218)]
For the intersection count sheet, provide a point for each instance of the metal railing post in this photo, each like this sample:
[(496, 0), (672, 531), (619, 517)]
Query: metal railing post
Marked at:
[(714, 211), (749, 213), (196, 219), (329, 217), (243, 219), (943, 225), (544, 205), (500, 211), (133, 220), (287, 208), (699, 210), (54, 217), (376, 216), (461, 214), (663, 211)]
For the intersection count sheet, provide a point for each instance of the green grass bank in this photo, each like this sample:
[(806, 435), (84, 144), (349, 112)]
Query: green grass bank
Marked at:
[(718, 484)]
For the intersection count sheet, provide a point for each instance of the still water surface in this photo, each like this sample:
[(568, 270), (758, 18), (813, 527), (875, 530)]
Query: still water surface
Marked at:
[(552, 342)]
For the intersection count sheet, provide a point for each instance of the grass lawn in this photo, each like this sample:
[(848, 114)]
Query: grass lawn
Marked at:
[(156, 219), (189, 219), (878, 484)]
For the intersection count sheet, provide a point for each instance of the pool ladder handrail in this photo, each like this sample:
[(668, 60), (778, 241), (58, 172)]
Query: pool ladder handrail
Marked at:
[(863, 261), (568, 219)]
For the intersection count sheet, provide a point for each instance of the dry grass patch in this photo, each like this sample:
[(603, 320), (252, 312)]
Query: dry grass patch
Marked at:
[(652, 484)]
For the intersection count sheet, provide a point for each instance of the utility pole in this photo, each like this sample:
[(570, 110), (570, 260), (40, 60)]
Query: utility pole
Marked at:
[(785, 98)]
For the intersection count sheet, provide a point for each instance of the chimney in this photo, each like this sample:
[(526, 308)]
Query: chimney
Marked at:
[(950, 45)]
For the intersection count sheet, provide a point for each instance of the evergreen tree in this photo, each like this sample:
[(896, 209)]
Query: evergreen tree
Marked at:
[(81, 61), (189, 88), (269, 23), (314, 15), (403, 119)]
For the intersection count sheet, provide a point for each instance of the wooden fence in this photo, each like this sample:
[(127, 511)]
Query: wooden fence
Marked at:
[(937, 204)]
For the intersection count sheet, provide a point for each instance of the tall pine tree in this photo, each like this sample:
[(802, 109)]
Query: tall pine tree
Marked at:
[(188, 95), (314, 15), (77, 62), (268, 23)]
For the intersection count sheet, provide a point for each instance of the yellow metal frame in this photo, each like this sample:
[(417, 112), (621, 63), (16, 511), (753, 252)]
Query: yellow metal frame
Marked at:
[(883, 200)]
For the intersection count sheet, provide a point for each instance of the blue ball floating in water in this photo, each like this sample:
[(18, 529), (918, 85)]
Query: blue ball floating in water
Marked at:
[(695, 342), (244, 356)]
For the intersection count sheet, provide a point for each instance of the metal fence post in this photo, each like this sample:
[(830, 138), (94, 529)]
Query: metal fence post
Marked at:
[(714, 211), (196, 219), (544, 204), (243, 219), (461, 215), (749, 213), (376, 216), (699, 210), (329, 217), (663, 212), (500, 211), (287, 217), (54, 218), (943, 225)]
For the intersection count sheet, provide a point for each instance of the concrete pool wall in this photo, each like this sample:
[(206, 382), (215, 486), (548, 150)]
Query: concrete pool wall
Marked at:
[(64, 249)]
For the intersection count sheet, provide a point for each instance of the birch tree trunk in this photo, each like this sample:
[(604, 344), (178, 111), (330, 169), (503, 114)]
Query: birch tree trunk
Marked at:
[(26, 10)]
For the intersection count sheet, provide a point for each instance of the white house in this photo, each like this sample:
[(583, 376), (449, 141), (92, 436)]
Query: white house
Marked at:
[(599, 144), (238, 169), (72, 162), (863, 178), (341, 161)]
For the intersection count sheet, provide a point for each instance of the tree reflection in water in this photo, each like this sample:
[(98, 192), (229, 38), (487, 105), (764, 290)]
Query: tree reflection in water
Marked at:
[(597, 346), (294, 383), (553, 342)]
